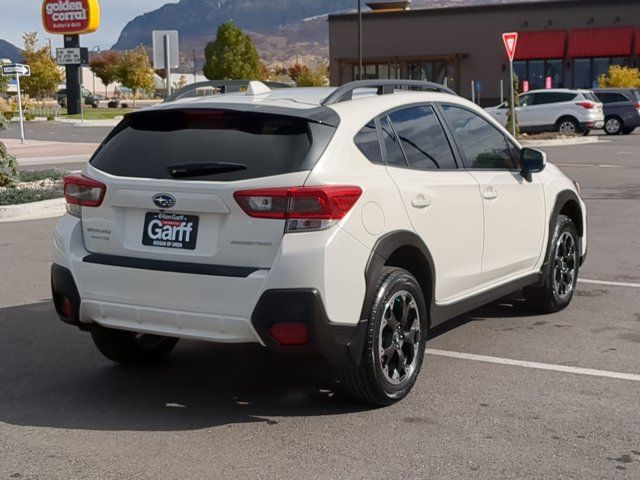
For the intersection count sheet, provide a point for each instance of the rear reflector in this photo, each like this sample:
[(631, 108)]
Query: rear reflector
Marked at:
[(290, 334), (83, 191), (305, 208)]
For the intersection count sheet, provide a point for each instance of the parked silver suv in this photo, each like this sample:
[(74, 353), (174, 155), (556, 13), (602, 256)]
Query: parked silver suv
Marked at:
[(561, 110)]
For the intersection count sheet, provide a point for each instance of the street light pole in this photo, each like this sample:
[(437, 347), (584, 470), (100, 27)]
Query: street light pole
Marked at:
[(360, 40)]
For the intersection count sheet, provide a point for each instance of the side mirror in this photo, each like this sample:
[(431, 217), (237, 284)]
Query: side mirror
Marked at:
[(532, 161)]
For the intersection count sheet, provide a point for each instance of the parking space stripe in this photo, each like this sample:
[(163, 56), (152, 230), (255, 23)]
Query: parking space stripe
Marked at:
[(611, 284), (536, 365)]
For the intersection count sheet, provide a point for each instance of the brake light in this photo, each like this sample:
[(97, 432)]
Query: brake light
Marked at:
[(587, 105), (638, 106), (81, 191), (304, 208)]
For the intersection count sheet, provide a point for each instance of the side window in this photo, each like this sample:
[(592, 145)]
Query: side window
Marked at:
[(368, 142), (526, 100), (394, 155), (422, 138), (544, 98), (482, 144), (605, 97)]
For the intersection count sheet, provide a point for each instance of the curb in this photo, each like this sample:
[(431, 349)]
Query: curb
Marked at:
[(91, 123), (559, 142), (32, 211)]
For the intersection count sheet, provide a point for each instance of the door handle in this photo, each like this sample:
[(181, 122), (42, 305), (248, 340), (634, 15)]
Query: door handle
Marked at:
[(489, 193), (421, 201)]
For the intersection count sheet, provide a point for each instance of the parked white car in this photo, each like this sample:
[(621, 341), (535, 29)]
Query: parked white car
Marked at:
[(561, 110), (345, 221)]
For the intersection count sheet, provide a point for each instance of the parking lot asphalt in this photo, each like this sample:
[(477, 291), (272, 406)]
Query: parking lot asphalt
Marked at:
[(483, 407)]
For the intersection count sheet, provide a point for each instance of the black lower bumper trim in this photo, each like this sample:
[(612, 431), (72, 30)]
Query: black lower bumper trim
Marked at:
[(63, 286), (338, 343), (167, 266)]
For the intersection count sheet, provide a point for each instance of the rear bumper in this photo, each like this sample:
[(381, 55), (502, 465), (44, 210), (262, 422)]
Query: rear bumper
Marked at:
[(592, 124)]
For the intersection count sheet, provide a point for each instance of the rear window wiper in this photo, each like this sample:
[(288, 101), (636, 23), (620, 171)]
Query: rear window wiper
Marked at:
[(185, 170)]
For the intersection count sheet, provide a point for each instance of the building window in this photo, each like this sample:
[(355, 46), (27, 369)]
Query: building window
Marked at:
[(537, 71), (377, 71), (587, 70), (438, 72)]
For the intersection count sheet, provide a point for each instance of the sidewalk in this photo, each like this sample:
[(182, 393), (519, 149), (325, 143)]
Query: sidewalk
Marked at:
[(37, 152)]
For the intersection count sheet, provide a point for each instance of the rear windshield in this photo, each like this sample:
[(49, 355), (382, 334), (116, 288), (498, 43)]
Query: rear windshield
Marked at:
[(636, 93), (151, 144)]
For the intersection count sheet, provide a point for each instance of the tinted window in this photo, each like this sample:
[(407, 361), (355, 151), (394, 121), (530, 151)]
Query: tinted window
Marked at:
[(526, 100), (611, 97), (393, 151), (482, 145), (368, 142), (553, 97), (423, 141), (147, 143), (636, 93), (590, 96)]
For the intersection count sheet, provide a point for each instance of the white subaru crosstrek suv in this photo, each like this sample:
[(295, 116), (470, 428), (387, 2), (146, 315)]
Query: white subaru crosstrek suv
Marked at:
[(559, 109), (345, 221)]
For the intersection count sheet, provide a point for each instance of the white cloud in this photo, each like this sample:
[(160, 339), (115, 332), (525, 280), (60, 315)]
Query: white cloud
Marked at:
[(19, 16)]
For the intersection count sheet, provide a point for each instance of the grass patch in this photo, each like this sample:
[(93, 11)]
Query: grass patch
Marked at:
[(100, 113), (13, 196), (38, 175)]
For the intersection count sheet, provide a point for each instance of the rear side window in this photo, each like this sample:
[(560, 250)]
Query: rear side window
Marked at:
[(368, 142), (546, 98), (636, 93), (608, 97), (423, 141), (590, 96), (393, 152), (151, 144), (482, 145)]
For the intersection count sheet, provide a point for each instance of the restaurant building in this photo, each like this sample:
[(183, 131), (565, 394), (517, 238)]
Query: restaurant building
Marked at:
[(564, 43)]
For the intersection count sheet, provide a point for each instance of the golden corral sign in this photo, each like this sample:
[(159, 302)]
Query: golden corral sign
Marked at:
[(71, 17)]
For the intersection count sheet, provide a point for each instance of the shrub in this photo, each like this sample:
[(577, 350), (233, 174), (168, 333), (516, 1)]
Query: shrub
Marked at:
[(38, 175), (620, 77), (13, 196), (8, 168)]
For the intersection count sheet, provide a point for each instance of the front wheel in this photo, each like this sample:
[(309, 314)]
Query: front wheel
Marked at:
[(395, 343), (558, 283), (131, 348)]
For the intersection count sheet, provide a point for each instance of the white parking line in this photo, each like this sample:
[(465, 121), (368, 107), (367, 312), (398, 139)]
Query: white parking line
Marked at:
[(611, 284), (540, 366)]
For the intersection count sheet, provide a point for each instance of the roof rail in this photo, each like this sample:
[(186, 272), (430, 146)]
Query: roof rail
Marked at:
[(385, 87), (225, 86)]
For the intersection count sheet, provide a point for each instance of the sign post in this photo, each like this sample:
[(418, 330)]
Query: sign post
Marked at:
[(510, 43), (166, 53), (18, 70), (71, 18)]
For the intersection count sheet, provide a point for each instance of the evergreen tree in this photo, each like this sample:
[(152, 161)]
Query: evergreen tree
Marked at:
[(232, 56)]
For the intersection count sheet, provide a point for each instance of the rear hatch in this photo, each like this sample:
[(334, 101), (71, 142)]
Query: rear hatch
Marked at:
[(171, 175)]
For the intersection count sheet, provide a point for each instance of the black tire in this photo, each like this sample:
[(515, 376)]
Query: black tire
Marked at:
[(370, 381), (568, 125), (130, 348), (613, 125), (549, 296), (628, 131), (585, 133)]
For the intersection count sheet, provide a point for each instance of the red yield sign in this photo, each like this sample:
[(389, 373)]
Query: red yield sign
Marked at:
[(510, 43)]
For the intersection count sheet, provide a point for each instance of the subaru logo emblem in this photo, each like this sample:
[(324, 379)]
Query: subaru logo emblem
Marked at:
[(164, 200)]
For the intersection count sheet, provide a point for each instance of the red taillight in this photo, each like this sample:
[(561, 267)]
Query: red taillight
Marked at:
[(587, 105), (83, 191), (290, 334), (638, 106), (306, 208)]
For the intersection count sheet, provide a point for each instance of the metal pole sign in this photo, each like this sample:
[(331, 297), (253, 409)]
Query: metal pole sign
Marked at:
[(510, 44), (18, 70), (166, 53)]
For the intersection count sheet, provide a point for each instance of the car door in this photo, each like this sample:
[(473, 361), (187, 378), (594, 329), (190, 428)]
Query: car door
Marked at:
[(442, 201), (514, 209), (527, 111)]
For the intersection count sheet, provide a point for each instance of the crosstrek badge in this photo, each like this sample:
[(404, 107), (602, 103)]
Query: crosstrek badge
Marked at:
[(71, 17)]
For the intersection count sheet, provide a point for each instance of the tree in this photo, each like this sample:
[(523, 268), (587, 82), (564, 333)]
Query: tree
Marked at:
[(296, 70), (232, 56), (4, 83), (181, 83), (8, 163), (620, 77), (45, 75), (105, 66), (135, 72), (516, 97), (317, 77)]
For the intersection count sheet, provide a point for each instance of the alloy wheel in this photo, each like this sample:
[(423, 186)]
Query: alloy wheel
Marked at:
[(564, 265), (399, 338), (567, 127), (612, 126)]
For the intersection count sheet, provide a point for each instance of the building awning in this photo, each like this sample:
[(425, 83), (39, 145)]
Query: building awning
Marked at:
[(638, 41), (541, 45), (600, 42)]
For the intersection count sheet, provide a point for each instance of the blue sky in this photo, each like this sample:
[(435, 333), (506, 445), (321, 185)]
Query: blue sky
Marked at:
[(19, 16)]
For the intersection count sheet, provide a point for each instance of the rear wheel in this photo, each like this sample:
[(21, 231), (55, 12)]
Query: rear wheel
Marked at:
[(613, 126), (131, 348), (556, 288), (568, 126), (395, 343)]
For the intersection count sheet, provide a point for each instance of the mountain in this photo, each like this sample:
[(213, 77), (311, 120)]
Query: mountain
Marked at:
[(283, 30), (10, 51)]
